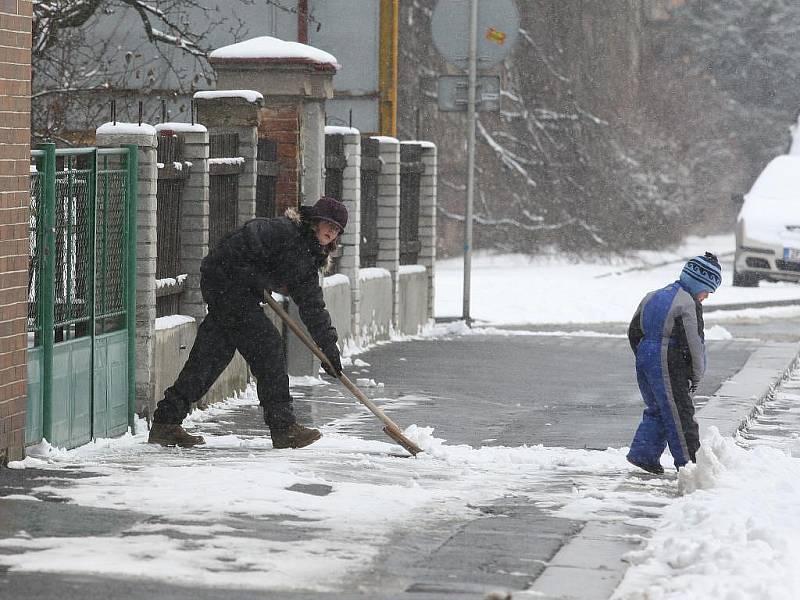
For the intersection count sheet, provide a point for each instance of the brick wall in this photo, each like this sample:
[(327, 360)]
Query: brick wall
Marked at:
[(282, 125), (15, 89)]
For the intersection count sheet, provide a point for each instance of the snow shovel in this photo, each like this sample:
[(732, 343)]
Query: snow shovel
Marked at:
[(390, 429)]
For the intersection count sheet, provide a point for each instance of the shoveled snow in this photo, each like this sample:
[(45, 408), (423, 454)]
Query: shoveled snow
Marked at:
[(735, 532)]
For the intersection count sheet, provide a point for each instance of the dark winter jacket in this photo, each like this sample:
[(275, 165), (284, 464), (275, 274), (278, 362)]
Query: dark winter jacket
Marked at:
[(265, 255), (673, 318)]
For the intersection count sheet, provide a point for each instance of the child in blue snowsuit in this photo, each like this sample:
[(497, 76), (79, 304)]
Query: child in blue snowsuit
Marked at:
[(666, 334)]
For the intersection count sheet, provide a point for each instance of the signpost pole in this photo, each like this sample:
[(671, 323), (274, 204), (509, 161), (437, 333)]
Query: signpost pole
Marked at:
[(472, 78)]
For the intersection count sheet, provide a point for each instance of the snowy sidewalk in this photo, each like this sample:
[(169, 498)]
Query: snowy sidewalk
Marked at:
[(342, 518)]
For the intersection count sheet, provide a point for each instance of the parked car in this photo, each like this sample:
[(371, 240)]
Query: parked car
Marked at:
[(768, 226)]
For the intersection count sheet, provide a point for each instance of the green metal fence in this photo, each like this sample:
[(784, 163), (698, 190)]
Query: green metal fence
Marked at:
[(81, 315)]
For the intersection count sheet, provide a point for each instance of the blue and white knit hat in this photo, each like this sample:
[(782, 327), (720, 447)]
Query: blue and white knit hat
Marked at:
[(702, 274)]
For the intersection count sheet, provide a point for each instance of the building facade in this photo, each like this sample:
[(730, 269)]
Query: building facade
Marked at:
[(15, 90)]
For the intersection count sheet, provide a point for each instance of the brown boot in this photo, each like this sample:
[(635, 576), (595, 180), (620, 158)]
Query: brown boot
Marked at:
[(168, 434), (295, 436)]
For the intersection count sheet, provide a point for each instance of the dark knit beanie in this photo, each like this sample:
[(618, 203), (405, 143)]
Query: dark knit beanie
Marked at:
[(330, 210), (702, 274)]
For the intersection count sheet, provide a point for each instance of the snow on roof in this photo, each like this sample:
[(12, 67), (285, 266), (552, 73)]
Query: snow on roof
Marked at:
[(423, 143), (385, 139), (338, 130), (125, 128), (270, 48), (249, 95), (779, 179), (182, 127)]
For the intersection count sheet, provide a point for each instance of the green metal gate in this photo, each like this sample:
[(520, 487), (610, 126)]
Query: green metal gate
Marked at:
[(81, 294)]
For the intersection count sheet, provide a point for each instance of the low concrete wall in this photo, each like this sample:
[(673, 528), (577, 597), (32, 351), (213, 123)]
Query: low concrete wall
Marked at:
[(174, 337), (376, 304), (413, 298), (336, 291)]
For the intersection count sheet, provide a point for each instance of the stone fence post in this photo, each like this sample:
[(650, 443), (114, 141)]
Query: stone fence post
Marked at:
[(144, 136), (427, 219), (389, 216), (350, 241)]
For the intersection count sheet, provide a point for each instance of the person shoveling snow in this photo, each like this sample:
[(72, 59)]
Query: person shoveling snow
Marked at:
[(666, 334), (263, 254)]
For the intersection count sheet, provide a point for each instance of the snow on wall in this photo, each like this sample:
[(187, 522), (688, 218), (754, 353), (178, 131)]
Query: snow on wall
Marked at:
[(337, 130), (125, 128), (385, 139), (249, 95), (182, 127), (273, 48)]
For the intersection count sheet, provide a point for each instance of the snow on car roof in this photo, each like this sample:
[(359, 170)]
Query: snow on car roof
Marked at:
[(779, 179)]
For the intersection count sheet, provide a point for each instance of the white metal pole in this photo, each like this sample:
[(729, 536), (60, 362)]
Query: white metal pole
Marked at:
[(472, 81)]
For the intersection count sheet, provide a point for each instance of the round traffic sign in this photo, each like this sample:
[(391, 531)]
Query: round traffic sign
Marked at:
[(498, 25)]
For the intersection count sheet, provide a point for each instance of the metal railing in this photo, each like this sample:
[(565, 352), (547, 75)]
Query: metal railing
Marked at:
[(172, 175), (225, 166), (370, 171), (411, 170)]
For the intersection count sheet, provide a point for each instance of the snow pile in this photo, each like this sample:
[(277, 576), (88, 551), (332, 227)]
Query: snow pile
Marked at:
[(734, 534)]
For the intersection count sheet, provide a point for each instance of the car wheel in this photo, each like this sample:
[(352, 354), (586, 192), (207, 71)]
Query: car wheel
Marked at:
[(745, 279)]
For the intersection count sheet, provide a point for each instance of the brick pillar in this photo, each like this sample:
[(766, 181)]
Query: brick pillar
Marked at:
[(350, 241), (144, 136), (194, 214), (15, 89), (236, 111), (281, 124), (427, 219), (295, 80), (389, 216)]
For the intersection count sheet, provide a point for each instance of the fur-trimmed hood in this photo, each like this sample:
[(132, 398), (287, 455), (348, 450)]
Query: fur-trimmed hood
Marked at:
[(302, 218)]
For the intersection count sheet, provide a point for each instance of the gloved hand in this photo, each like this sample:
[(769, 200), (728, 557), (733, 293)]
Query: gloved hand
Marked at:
[(693, 387), (332, 352)]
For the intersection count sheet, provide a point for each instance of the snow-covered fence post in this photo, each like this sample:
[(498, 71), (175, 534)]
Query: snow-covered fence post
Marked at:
[(194, 213), (427, 219), (295, 81), (349, 263), (112, 135), (389, 216), (237, 112)]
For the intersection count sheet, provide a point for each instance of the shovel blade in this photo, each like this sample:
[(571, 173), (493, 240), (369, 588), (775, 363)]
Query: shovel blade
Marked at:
[(406, 443)]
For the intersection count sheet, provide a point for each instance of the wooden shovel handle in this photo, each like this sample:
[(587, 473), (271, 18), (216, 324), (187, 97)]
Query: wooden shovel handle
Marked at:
[(393, 431)]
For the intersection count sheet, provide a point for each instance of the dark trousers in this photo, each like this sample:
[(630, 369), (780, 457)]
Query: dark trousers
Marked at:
[(233, 324)]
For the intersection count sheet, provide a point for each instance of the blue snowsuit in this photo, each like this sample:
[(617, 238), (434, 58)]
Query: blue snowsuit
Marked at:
[(666, 334)]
